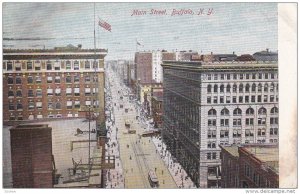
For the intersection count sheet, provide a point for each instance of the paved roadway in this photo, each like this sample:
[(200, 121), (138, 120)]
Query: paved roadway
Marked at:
[(138, 154)]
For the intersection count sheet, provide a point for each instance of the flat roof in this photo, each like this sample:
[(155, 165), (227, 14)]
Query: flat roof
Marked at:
[(265, 154), (233, 150)]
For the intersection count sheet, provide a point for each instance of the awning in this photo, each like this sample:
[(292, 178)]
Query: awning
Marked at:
[(69, 90), (76, 90)]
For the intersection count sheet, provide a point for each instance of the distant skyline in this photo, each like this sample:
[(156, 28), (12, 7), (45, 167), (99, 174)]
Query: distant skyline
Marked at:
[(243, 28)]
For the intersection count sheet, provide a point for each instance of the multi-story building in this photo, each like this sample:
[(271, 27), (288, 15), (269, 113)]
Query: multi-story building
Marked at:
[(54, 83), (211, 104), (250, 166), (156, 105), (266, 55)]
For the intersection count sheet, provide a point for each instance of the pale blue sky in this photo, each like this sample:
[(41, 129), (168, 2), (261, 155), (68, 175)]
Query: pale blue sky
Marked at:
[(239, 27)]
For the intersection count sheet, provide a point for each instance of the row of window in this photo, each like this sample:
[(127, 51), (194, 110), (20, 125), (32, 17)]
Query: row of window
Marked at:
[(49, 66), (238, 111), (39, 116), (51, 105), (52, 92), (238, 133), (241, 88), (238, 122), (241, 99), (241, 76)]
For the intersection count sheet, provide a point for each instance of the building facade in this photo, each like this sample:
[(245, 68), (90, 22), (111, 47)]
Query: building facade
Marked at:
[(52, 83), (211, 104), (156, 106), (250, 166)]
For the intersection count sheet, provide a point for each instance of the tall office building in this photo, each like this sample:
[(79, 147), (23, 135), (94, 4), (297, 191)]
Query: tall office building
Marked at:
[(211, 104), (52, 83)]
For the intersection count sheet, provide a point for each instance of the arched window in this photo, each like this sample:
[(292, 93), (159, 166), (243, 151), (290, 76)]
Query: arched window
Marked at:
[(216, 88), (253, 87), (259, 88), (266, 87), (19, 93), (274, 110), (272, 87), (241, 88), (247, 87), (262, 111), (209, 89), (58, 106), (224, 111), (10, 93), (250, 111), (228, 88), (212, 112), (234, 88), (222, 88), (237, 111)]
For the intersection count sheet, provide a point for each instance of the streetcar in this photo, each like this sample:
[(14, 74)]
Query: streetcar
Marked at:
[(153, 180)]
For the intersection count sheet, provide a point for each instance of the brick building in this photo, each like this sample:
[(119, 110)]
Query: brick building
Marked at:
[(54, 83), (250, 166), (156, 105), (31, 156), (211, 104)]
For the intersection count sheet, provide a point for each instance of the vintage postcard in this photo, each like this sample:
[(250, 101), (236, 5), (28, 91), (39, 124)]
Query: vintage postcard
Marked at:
[(149, 95)]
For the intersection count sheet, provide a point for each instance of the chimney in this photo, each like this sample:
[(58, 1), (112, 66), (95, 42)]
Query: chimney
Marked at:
[(267, 50), (233, 53)]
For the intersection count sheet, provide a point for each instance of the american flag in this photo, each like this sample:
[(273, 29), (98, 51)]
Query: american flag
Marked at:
[(104, 25)]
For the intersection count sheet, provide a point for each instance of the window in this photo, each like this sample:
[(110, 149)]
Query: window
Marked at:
[(228, 76), (29, 79), (274, 131), (222, 88), (246, 99), (272, 76), (253, 76), (39, 92), (214, 155), (259, 98), (87, 91), (228, 88), (237, 133), (68, 79), (30, 105), (57, 92), (266, 76), (50, 106), (240, 99), (247, 76), (234, 88), (68, 65), (253, 87), (30, 93), (19, 93), (77, 104), (237, 122), (252, 98), (241, 76), (233, 99), (88, 103), (250, 111), (19, 105), (211, 134), (227, 99), (212, 112), (237, 112), (211, 145), (76, 79), (87, 78), (10, 80), (262, 111), (49, 66), (56, 65), (265, 98), (212, 122), (221, 99), (87, 65), (259, 88), (215, 76), (209, 76), (247, 88), (57, 79), (37, 66), (29, 66), (49, 92), (18, 80), (18, 66), (261, 121), (69, 104), (266, 88), (249, 133), (76, 65), (274, 120), (49, 79), (208, 156), (234, 76), (11, 93), (215, 88), (259, 76), (209, 89), (38, 80), (225, 111), (215, 99), (224, 122), (39, 105), (58, 105), (69, 91), (261, 132), (274, 110), (249, 121), (224, 134), (76, 92), (9, 66), (208, 100), (11, 106), (241, 88), (272, 87)]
